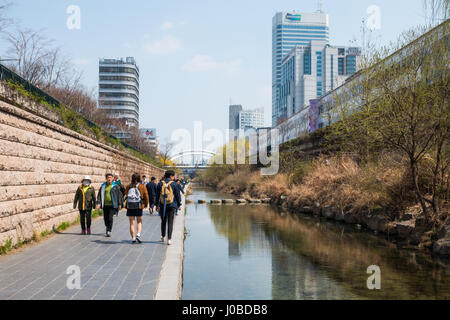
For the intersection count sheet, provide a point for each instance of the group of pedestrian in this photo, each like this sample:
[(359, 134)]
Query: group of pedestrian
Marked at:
[(163, 198)]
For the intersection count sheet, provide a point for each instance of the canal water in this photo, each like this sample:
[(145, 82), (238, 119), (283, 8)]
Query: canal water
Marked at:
[(255, 252)]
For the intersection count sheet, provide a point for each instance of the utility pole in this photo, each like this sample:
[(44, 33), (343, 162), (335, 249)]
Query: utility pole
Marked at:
[(363, 31), (320, 6)]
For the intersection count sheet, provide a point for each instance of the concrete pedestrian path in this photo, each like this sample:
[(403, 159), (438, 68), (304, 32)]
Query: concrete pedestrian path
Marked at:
[(111, 268)]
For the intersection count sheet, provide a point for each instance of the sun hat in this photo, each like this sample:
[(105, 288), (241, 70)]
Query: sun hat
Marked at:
[(87, 178)]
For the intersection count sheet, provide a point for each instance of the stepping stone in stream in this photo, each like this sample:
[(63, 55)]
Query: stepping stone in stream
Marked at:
[(201, 201), (254, 201), (241, 201), (228, 201), (215, 201)]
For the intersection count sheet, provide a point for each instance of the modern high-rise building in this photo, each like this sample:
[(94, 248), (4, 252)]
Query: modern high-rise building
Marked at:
[(310, 71), (119, 92), (243, 121), (288, 30), (251, 119), (234, 116)]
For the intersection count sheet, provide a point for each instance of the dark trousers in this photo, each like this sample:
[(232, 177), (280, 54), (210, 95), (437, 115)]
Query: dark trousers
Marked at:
[(167, 218), (108, 214), (85, 219)]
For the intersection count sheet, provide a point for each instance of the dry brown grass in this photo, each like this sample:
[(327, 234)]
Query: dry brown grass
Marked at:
[(332, 181), (340, 182), (335, 181), (252, 185)]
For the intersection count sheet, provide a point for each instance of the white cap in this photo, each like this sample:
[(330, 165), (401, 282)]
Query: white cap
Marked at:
[(87, 178)]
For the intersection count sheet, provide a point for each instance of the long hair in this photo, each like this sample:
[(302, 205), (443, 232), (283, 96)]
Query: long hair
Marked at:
[(135, 179)]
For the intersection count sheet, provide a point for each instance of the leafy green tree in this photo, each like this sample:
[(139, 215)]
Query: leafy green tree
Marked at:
[(399, 102)]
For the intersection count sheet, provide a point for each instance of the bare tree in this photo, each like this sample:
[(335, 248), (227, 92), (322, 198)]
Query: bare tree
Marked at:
[(400, 103), (165, 151), (436, 11), (58, 71), (40, 62), (5, 22), (28, 49)]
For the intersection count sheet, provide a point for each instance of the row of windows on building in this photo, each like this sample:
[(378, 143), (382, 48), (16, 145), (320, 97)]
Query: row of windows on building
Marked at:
[(122, 113), (119, 87), (119, 103), (119, 70), (118, 95), (120, 78)]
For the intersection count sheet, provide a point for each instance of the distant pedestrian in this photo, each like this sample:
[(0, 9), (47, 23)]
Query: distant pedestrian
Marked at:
[(136, 202), (118, 182), (151, 189), (85, 200), (180, 186), (169, 199), (144, 181), (110, 199)]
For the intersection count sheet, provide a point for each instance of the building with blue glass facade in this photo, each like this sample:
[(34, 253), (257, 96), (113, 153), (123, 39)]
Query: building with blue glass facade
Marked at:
[(310, 71), (290, 29)]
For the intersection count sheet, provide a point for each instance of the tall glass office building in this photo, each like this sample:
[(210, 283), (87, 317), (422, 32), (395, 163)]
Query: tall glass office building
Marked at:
[(309, 72), (288, 30), (119, 92)]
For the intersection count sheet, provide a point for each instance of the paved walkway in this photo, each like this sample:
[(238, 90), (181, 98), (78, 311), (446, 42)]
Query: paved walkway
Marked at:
[(111, 268)]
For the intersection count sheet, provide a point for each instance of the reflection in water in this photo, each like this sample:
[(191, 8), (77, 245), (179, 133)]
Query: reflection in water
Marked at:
[(254, 252)]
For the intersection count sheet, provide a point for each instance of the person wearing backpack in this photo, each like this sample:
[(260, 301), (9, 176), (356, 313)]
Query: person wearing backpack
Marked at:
[(85, 200), (168, 195), (136, 200), (109, 199)]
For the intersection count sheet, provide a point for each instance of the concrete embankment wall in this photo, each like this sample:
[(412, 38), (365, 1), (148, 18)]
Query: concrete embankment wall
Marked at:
[(41, 165)]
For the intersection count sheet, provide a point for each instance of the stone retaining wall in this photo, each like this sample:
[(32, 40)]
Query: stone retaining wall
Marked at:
[(41, 166)]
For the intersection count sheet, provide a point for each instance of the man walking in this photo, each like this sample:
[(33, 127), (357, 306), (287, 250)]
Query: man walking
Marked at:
[(85, 200), (118, 182), (110, 199), (151, 190), (168, 195)]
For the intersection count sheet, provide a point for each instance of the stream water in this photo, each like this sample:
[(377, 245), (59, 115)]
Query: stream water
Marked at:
[(257, 252)]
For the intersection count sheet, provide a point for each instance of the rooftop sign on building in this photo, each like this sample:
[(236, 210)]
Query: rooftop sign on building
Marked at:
[(294, 17)]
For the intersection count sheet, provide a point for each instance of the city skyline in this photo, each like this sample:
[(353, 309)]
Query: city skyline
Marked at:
[(289, 29), (168, 41)]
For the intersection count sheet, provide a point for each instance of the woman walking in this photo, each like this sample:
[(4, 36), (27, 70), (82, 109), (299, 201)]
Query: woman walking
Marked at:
[(85, 200), (136, 200)]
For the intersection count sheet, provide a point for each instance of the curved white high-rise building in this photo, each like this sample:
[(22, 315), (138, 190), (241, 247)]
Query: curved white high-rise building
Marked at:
[(119, 91)]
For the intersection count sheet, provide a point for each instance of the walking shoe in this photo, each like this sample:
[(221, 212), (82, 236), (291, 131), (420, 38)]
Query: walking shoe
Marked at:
[(169, 242), (163, 239), (138, 238), (89, 231), (133, 241), (83, 232), (108, 234)]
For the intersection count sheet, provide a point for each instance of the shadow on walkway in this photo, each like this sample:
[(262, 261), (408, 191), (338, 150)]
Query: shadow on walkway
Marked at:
[(128, 241)]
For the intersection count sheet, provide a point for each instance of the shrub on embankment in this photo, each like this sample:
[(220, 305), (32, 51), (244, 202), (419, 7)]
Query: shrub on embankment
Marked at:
[(331, 181), (382, 185)]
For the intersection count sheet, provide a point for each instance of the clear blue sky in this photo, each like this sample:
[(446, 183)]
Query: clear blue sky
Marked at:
[(196, 55)]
